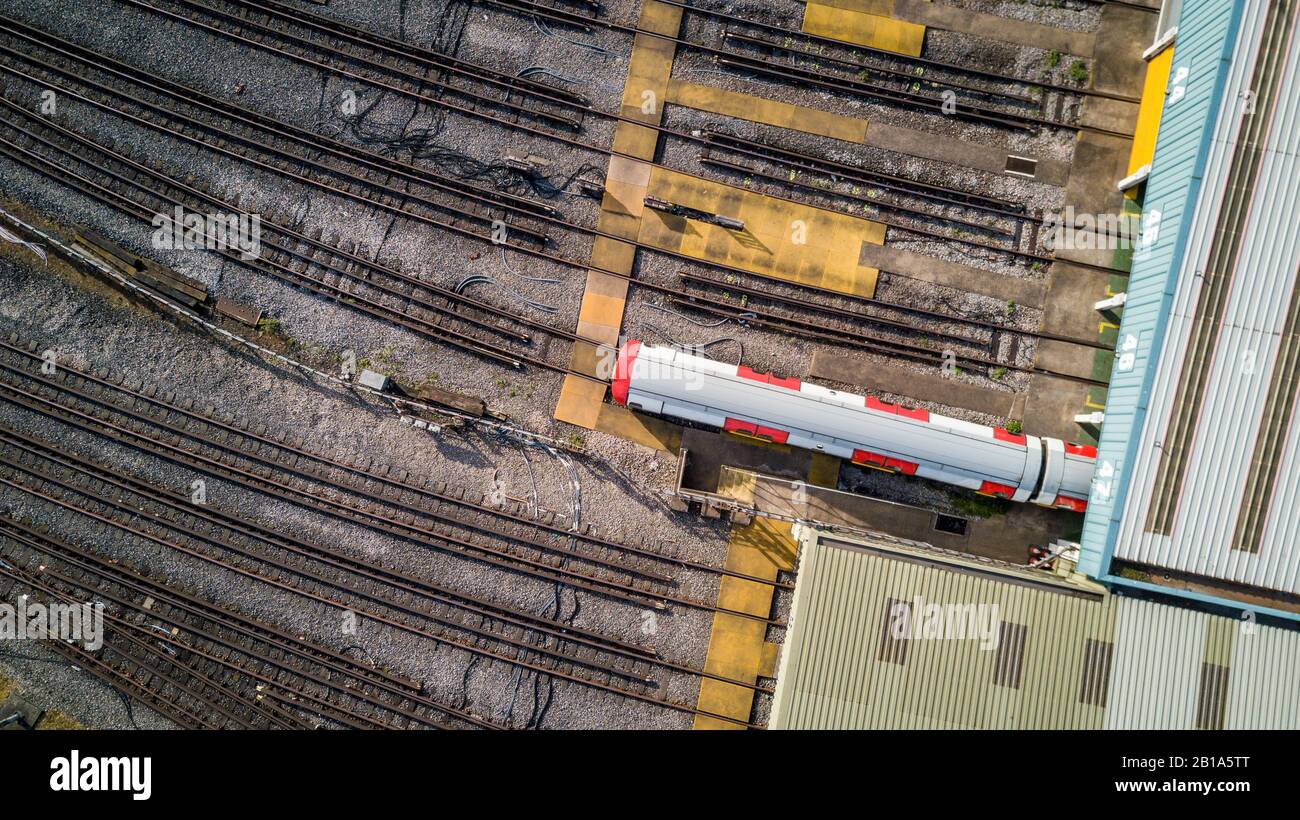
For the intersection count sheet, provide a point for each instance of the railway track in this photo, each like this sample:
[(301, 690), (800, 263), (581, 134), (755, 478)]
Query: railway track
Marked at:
[(302, 19), (428, 514), (133, 516), (905, 70), (899, 322), (417, 292), (832, 325), (416, 519), (289, 255), (196, 199), (205, 665)]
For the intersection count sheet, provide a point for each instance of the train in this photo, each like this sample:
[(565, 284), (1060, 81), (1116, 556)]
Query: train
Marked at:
[(993, 461)]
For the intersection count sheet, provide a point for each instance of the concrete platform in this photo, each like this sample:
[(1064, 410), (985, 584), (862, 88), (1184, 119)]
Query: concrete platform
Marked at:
[(918, 386), (876, 28), (995, 27), (783, 239), (1072, 291), (656, 434), (1028, 292), (603, 302), (580, 402), (1123, 35), (604, 299), (1052, 405), (769, 112), (1100, 161), (738, 648)]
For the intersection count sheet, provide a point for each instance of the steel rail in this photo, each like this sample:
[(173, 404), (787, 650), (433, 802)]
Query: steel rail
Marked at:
[(535, 132), (372, 520), (585, 21), (331, 558), (538, 624), (442, 639)]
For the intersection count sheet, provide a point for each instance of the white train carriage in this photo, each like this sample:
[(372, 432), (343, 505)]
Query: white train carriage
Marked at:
[(989, 460)]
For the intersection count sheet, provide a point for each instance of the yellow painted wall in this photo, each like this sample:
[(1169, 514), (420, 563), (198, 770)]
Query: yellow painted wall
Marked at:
[(1153, 103)]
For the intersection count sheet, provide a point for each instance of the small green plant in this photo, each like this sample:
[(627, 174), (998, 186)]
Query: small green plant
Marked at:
[(268, 325), (1014, 427), (1053, 58), (978, 506), (1078, 72), (1134, 574)]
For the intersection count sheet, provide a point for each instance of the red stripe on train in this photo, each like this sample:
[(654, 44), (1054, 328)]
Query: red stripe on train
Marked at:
[(869, 459), (767, 378), (918, 413), (1003, 434), (1067, 503), (996, 489), (752, 430)]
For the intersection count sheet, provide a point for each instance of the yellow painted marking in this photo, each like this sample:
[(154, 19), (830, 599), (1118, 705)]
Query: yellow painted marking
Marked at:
[(789, 240), (884, 8), (737, 648), (824, 471), (649, 432), (871, 30), (645, 91), (771, 654), (580, 402), (660, 18), (1153, 102), (769, 112)]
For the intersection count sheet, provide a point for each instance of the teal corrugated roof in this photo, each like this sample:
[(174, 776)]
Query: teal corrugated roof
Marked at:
[(1202, 57)]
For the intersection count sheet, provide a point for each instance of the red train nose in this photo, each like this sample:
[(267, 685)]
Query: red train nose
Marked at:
[(623, 371)]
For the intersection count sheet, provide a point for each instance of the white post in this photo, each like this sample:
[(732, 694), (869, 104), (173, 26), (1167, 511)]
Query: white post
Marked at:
[(1112, 302)]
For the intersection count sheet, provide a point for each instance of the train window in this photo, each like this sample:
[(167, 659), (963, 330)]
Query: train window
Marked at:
[(950, 524)]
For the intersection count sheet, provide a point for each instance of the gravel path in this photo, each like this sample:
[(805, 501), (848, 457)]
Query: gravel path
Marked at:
[(90, 325)]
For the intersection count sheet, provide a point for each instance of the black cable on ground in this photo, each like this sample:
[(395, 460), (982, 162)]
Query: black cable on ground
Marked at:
[(421, 144)]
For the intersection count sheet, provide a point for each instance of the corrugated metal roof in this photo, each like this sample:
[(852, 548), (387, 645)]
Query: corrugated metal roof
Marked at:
[(1067, 655), (1180, 669), (838, 669), (1187, 522), (1186, 516)]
